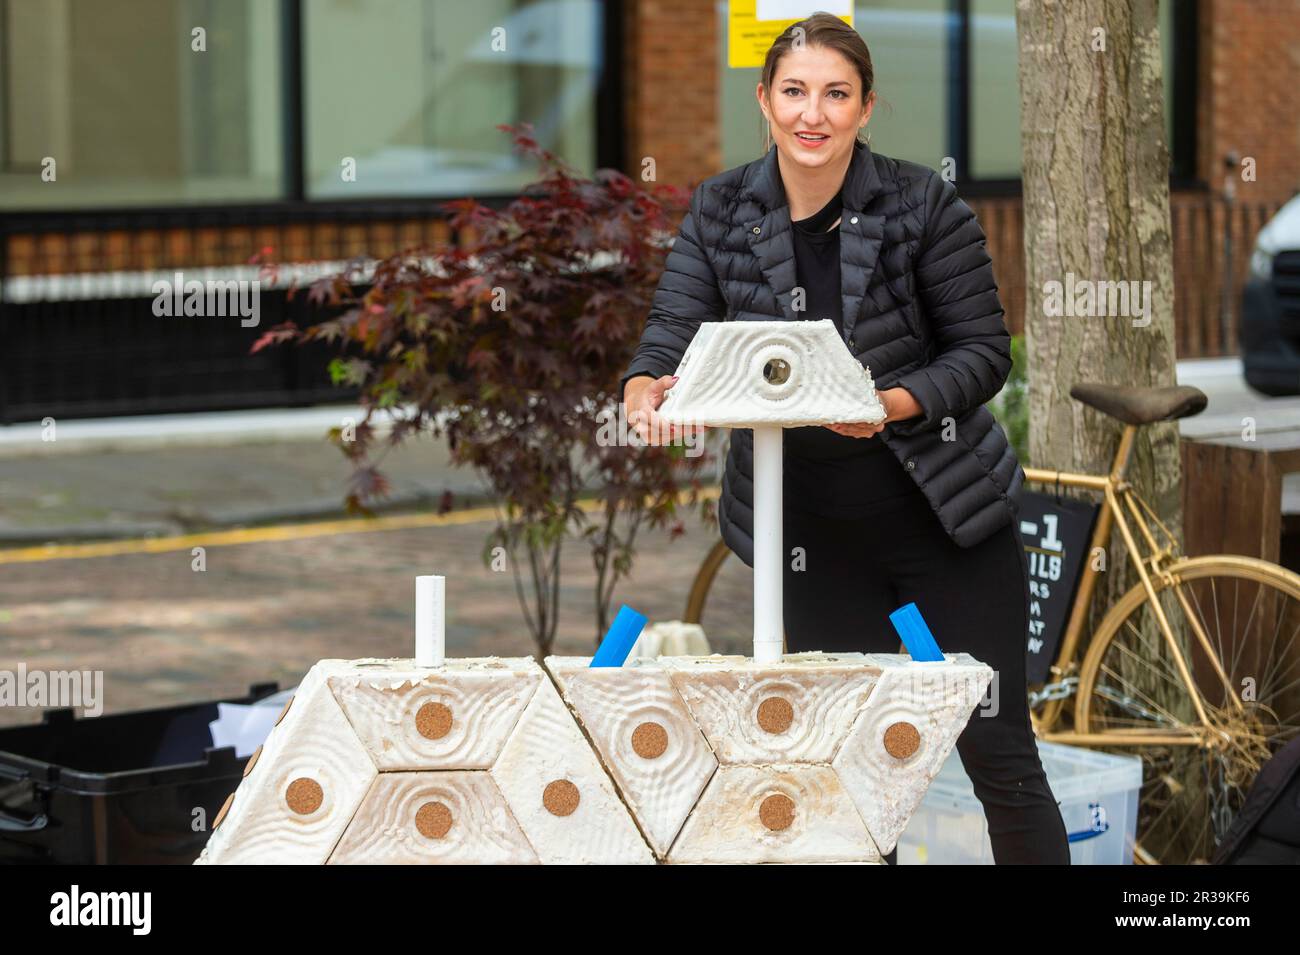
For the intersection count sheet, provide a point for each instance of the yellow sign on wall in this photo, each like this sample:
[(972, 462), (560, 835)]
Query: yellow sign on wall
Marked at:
[(752, 25)]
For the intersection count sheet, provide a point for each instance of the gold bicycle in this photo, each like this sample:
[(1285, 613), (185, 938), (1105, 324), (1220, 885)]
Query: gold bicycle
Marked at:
[(1196, 668)]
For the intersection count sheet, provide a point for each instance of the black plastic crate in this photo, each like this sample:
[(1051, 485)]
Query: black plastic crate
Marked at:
[(120, 789)]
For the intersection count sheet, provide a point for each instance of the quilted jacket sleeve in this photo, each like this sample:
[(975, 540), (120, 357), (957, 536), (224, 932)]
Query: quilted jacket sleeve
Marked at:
[(958, 297), (687, 294)]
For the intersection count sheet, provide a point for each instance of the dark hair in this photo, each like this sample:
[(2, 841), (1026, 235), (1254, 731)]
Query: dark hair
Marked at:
[(825, 30)]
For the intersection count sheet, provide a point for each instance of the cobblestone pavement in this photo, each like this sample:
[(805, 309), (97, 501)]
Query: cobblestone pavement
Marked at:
[(165, 634)]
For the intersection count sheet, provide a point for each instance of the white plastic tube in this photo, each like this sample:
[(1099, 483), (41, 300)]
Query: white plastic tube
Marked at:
[(769, 618), (430, 620)]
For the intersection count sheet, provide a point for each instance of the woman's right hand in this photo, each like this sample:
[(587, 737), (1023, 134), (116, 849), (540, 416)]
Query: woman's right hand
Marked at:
[(643, 396)]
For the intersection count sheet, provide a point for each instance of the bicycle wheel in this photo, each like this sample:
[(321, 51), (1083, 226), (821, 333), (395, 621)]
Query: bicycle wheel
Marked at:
[(1195, 777)]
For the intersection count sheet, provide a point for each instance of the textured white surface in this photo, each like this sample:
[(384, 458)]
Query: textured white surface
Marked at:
[(611, 703), (725, 694), (721, 380), (937, 699), (670, 638), (547, 746), (482, 828), (809, 728), (485, 695), (312, 741), (727, 825)]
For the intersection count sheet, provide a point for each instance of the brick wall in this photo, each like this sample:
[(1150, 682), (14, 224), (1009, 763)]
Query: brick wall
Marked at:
[(671, 83), (1248, 80)]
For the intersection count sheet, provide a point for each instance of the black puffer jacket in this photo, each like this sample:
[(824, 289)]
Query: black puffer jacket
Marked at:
[(921, 311)]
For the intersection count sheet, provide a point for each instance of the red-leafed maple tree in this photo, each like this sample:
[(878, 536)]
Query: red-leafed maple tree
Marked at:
[(511, 345)]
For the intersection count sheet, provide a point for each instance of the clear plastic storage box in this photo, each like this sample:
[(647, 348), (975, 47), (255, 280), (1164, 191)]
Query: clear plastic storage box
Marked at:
[(1097, 792)]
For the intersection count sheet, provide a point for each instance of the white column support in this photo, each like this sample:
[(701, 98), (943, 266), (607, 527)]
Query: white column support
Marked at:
[(769, 549), (430, 621)]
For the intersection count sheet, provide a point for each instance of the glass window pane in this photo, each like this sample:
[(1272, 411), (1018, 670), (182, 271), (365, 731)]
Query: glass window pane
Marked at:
[(994, 93), (412, 90), (995, 90), (909, 43), (113, 92), (908, 40)]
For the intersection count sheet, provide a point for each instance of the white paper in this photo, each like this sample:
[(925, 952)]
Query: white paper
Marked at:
[(246, 726), (798, 9)]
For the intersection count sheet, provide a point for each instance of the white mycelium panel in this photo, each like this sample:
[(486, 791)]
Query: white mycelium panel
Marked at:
[(722, 380), (433, 818), (560, 794), (777, 813), (308, 779), (824, 757), (799, 710), (919, 709), (645, 736), (455, 716)]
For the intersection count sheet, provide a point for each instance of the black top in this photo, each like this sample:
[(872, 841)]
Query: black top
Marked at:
[(828, 473)]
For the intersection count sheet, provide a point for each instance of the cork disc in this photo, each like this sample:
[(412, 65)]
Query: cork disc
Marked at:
[(776, 812), (649, 740), (433, 820), (433, 720), (221, 814), (287, 703), (252, 761), (304, 795), (902, 740), (560, 797), (775, 714)]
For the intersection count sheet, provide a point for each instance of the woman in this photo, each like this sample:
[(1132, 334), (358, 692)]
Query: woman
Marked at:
[(920, 507)]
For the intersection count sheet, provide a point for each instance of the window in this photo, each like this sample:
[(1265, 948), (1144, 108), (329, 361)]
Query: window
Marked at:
[(947, 86), (293, 99), (410, 92), (110, 97)]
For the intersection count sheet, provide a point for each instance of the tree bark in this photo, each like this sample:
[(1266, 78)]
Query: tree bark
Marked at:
[(1096, 204)]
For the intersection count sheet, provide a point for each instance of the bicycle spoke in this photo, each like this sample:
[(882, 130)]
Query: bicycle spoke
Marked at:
[(1249, 628)]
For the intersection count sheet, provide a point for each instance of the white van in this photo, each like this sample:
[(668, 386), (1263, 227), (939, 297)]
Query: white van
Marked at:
[(1270, 307)]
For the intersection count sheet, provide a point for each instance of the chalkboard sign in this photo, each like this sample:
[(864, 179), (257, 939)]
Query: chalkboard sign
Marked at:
[(1056, 533)]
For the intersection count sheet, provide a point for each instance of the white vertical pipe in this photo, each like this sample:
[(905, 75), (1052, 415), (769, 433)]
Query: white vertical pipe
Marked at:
[(769, 620), (430, 620)]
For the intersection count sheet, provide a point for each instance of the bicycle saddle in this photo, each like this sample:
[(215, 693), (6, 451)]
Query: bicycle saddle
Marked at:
[(1134, 405)]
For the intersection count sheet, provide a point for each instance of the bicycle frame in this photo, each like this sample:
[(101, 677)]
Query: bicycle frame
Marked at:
[(1116, 490)]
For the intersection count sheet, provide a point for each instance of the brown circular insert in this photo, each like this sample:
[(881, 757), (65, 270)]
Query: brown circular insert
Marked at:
[(433, 819), (287, 703), (777, 812), (433, 720), (649, 740), (252, 761), (560, 797), (775, 714), (221, 813), (902, 740), (304, 795)]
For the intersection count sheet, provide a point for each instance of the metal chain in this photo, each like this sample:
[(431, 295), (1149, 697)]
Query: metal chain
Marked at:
[(1131, 705), (1054, 691)]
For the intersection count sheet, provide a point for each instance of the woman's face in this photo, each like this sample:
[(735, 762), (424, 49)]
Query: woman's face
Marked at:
[(815, 91)]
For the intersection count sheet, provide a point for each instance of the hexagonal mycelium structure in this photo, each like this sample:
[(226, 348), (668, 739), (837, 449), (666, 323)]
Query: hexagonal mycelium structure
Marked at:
[(806, 757), (384, 761), (820, 758)]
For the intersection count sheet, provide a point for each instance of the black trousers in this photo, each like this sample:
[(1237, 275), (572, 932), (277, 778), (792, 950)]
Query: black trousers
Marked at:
[(974, 600)]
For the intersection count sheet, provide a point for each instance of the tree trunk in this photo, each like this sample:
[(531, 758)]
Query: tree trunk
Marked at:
[(1096, 205)]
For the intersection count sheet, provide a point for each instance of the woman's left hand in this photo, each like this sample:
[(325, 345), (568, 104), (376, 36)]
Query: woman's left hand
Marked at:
[(898, 404)]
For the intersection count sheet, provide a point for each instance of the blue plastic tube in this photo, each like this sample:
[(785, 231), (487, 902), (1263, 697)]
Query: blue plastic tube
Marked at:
[(916, 636), (613, 650)]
